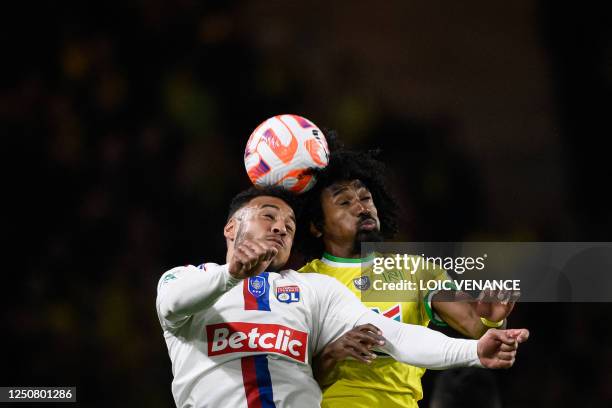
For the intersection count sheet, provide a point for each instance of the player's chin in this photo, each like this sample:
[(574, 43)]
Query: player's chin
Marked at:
[(278, 262), (368, 235)]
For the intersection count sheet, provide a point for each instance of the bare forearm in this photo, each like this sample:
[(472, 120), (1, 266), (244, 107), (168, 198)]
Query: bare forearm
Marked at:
[(322, 365), (461, 316)]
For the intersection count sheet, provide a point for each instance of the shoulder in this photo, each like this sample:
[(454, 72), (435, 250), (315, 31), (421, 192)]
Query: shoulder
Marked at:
[(312, 266), (306, 276), (180, 271), (325, 286), (173, 273), (316, 281)]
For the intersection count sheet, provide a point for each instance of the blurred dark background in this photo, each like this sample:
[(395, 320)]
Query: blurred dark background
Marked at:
[(124, 126)]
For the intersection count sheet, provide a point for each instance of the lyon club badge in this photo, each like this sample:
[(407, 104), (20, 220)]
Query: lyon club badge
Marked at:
[(288, 294)]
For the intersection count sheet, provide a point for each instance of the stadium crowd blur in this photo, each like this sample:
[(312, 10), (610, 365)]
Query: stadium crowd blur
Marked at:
[(134, 116)]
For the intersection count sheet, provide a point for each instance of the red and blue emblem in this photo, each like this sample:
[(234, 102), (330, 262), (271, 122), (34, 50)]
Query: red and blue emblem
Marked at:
[(256, 293), (257, 285)]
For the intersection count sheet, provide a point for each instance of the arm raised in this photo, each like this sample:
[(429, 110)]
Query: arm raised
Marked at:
[(186, 290)]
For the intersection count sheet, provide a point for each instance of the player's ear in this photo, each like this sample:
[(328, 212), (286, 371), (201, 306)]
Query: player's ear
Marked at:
[(315, 231), (230, 229)]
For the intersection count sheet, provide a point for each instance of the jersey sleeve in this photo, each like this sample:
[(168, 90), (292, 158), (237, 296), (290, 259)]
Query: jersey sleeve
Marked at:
[(186, 290), (341, 311), (423, 347), (309, 267)]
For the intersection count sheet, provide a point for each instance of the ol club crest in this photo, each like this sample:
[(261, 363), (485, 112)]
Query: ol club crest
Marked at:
[(288, 294)]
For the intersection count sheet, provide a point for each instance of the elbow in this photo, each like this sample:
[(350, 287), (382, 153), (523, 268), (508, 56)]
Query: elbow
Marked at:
[(169, 308), (166, 310)]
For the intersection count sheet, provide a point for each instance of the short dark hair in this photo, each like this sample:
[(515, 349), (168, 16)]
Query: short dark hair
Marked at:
[(346, 165), (244, 197)]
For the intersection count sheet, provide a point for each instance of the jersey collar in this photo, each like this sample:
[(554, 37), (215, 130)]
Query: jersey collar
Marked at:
[(337, 261)]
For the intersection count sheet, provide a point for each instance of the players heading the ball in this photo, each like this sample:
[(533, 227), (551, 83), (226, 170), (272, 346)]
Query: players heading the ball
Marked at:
[(243, 334), (350, 205)]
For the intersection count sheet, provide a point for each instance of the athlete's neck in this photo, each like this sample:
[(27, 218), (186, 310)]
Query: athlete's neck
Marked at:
[(341, 251), (333, 258)]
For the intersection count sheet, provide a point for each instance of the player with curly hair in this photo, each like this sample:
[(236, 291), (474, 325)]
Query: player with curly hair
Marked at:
[(351, 204)]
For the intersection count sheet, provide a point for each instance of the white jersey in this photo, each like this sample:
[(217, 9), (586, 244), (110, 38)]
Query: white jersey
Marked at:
[(250, 343)]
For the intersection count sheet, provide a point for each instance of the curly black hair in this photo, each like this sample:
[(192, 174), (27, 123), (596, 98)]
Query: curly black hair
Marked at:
[(346, 165)]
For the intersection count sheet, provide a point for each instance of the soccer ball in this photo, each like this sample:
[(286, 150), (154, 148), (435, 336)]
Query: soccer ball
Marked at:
[(283, 150)]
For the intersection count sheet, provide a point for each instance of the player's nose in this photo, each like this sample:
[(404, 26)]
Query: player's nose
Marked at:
[(279, 228), (359, 207), (363, 211)]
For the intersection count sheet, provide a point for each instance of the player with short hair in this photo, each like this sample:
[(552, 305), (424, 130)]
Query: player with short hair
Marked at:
[(351, 204), (243, 334)]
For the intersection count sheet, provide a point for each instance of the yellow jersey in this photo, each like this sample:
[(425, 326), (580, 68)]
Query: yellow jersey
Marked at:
[(385, 382)]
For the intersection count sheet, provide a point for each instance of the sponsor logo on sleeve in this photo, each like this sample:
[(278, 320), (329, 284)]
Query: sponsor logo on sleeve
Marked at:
[(241, 337), (169, 277), (288, 294), (394, 312)]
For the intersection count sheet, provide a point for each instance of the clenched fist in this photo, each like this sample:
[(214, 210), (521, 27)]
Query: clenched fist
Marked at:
[(497, 348), (251, 257)]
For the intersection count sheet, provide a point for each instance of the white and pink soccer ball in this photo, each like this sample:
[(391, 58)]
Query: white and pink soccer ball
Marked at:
[(283, 150)]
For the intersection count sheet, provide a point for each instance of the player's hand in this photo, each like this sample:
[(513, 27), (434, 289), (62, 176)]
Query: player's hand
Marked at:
[(497, 348), (357, 343), (496, 305), (251, 257)]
